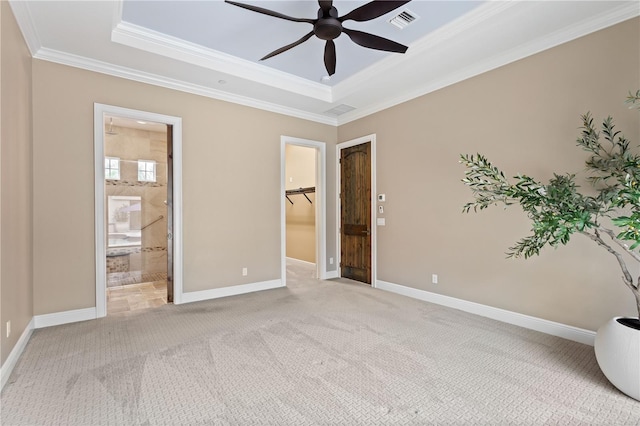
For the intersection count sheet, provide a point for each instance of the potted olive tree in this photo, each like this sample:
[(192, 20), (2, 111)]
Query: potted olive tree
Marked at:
[(609, 216)]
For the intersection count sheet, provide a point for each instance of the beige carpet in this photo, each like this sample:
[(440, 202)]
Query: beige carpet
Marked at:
[(315, 353)]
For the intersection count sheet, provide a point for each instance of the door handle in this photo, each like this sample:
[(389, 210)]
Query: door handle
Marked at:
[(169, 236), (367, 232)]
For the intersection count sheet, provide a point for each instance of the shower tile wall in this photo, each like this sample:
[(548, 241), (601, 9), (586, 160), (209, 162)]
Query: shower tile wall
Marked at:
[(131, 145)]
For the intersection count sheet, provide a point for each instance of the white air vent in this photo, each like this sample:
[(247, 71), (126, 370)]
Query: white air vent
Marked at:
[(403, 19), (340, 109)]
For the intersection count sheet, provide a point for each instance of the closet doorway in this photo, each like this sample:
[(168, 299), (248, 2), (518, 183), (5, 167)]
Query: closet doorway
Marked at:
[(303, 224), (138, 210)]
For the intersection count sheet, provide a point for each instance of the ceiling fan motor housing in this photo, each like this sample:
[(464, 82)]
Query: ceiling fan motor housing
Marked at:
[(327, 28)]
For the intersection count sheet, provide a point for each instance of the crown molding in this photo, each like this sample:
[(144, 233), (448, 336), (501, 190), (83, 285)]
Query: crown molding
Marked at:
[(161, 44), (168, 83), (359, 80), (580, 29), (27, 27), (117, 13), (448, 35)]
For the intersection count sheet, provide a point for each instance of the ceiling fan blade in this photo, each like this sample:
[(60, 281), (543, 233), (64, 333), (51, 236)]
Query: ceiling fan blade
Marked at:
[(374, 42), (330, 57), (288, 46), (269, 12), (373, 10), (325, 6)]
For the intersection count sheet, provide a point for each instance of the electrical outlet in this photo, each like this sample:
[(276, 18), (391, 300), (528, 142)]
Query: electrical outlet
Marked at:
[(434, 278), (245, 272), (8, 328)]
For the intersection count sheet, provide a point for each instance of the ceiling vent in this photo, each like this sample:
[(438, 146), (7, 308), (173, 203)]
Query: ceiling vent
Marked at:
[(403, 19), (340, 109)]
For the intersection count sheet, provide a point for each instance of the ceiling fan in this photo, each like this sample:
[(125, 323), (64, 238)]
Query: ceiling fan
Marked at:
[(328, 26)]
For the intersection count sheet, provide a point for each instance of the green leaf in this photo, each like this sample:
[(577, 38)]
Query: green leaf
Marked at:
[(559, 208)]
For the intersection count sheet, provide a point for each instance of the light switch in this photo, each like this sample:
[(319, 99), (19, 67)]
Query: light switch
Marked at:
[(380, 221)]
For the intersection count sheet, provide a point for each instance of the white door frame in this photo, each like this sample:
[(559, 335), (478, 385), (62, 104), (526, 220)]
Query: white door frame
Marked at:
[(99, 111), (374, 225), (321, 200)]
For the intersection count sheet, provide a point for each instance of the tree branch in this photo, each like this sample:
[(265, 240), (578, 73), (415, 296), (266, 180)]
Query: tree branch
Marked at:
[(626, 278), (612, 234)]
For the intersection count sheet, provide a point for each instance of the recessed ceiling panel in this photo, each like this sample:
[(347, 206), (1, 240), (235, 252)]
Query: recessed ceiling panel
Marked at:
[(212, 48), (249, 35)]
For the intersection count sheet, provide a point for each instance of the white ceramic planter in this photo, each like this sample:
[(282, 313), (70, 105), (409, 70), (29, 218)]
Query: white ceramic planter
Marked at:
[(617, 348)]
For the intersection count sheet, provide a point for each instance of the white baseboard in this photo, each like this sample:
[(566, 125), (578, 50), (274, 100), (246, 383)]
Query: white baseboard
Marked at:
[(65, 317), (538, 324), (332, 274), (12, 359), (304, 262), (215, 293)]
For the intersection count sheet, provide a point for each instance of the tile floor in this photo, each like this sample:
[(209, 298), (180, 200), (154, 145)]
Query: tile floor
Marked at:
[(133, 297), (119, 279)]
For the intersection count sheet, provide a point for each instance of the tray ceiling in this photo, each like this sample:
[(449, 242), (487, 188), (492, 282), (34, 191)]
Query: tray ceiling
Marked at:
[(213, 48)]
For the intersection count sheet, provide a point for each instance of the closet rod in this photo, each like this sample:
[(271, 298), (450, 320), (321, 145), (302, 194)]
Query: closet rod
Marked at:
[(303, 191)]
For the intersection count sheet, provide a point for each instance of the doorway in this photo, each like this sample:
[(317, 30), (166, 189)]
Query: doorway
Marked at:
[(138, 209), (138, 193), (356, 218), (303, 216)]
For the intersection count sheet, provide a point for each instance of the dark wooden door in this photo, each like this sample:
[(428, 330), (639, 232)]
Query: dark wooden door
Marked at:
[(169, 213), (355, 212)]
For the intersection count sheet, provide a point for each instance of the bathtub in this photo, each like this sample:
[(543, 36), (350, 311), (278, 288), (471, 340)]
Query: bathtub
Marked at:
[(124, 239)]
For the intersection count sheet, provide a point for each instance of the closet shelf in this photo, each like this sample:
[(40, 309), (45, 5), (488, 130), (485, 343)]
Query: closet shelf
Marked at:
[(303, 191)]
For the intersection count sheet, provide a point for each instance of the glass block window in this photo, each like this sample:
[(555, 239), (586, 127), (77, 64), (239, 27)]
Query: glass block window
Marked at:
[(146, 171), (112, 168)]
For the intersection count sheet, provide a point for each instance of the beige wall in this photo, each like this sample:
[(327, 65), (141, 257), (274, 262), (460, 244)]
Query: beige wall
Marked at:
[(525, 118), (231, 183), (300, 172), (16, 285)]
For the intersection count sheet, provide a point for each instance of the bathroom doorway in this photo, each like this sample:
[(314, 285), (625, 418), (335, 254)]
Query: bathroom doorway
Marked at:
[(136, 244), (137, 165)]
